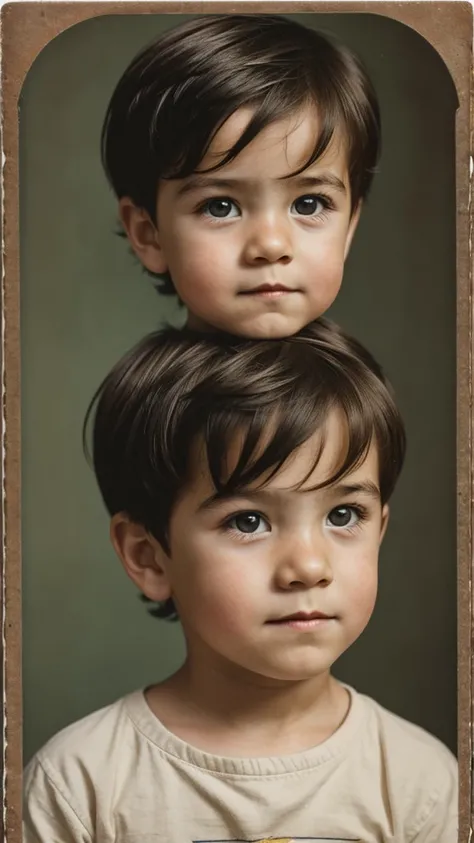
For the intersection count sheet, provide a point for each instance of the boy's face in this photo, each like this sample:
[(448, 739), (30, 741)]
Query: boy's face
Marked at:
[(251, 249), (241, 570)]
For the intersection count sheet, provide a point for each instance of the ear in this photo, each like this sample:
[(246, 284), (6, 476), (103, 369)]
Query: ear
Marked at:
[(385, 519), (143, 236), (142, 557), (353, 223)]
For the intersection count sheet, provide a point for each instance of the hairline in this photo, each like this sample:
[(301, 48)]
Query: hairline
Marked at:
[(340, 135), (198, 461)]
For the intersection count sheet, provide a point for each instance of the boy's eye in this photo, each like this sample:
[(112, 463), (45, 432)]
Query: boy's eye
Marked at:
[(308, 206), (220, 208), (344, 516), (248, 522)]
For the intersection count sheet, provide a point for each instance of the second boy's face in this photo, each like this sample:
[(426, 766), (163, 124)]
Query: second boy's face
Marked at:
[(278, 581), (251, 249)]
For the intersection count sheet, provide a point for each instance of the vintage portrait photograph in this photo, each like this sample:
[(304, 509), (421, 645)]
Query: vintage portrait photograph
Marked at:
[(236, 353)]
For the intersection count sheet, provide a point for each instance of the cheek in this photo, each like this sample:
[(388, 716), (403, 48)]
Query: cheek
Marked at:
[(357, 570), (361, 587), (200, 273), (325, 279), (195, 245), (217, 594), (365, 596), (327, 257), (327, 245), (223, 612), (226, 613)]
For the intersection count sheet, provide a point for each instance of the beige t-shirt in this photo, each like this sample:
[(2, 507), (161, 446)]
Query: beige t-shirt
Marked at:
[(118, 775)]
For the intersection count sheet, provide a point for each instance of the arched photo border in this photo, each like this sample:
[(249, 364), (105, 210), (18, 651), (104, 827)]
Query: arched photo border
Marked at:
[(26, 28)]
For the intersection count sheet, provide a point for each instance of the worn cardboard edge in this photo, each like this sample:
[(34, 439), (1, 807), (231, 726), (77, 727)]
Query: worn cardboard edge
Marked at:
[(2, 488), (26, 28)]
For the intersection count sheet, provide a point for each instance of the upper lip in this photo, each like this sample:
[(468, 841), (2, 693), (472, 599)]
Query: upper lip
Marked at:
[(303, 616)]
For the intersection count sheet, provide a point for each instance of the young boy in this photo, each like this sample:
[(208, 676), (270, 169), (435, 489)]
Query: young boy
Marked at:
[(241, 148), (248, 484)]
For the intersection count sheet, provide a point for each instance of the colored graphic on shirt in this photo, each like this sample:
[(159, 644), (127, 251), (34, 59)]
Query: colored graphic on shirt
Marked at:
[(285, 840)]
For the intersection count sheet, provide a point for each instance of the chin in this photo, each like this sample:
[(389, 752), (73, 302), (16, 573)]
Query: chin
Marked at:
[(297, 672), (271, 327)]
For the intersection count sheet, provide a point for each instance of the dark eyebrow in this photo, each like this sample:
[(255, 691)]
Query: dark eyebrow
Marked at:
[(323, 180), (197, 182), (219, 498), (366, 487)]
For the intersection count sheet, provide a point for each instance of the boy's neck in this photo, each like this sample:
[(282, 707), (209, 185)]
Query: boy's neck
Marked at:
[(230, 712)]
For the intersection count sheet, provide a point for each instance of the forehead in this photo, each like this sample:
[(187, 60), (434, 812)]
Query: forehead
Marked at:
[(319, 458), (313, 463), (281, 148)]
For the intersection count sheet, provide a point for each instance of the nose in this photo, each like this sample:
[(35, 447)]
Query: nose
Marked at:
[(304, 564), (269, 240)]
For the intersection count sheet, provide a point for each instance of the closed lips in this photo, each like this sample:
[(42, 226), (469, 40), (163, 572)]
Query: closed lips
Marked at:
[(302, 616), (269, 288)]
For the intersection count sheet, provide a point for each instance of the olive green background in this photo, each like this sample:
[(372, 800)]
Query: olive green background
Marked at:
[(84, 301)]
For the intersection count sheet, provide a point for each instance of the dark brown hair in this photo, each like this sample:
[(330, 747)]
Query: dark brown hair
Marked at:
[(177, 93), (178, 386)]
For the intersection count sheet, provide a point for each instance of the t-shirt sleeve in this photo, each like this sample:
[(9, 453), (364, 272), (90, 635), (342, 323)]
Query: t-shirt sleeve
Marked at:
[(439, 823), (49, 815)]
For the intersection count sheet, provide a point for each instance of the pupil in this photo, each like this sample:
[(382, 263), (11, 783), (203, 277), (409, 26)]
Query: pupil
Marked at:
[(219, 207), (305, 204), (341, 516), (247, 523)]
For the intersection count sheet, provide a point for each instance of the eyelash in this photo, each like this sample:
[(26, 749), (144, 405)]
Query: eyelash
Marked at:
[(362, 515), (326, 201), (239, 534), (361, 511)]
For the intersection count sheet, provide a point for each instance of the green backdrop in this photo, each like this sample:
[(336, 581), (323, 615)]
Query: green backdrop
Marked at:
[(84, 301)]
